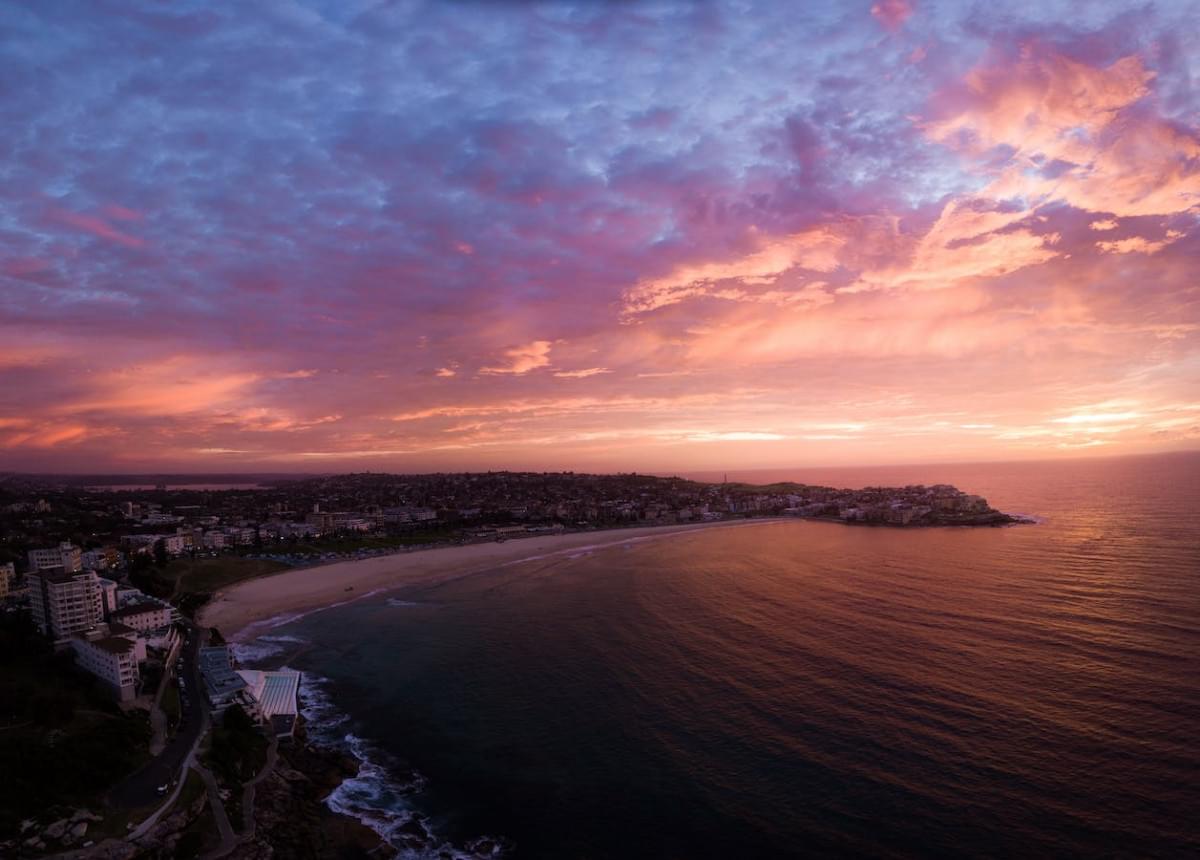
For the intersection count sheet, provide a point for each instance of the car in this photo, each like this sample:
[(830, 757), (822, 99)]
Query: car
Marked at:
[(162, 789)]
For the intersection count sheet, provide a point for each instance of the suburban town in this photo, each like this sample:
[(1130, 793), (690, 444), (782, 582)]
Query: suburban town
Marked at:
[(100, 583)]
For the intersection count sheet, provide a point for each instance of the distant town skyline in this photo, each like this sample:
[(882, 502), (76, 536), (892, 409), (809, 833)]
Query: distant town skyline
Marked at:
[(349, 236)]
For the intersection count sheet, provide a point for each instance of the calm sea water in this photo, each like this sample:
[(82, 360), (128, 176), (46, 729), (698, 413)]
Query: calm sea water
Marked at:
[(800, 689)]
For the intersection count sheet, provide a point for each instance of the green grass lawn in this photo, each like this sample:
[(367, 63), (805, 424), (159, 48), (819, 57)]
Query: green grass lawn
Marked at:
[(353, 544), (206, 575)]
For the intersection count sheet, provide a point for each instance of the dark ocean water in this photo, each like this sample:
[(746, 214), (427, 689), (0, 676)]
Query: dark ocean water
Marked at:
[(801, 689)]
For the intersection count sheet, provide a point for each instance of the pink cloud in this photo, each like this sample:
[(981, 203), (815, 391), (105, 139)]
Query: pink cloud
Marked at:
[(98, 227), (1116, 156), (522, 359), (121, 213), (891, 13)]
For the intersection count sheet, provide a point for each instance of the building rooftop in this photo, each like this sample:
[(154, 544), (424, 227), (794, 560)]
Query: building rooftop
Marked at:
[(111, 644), (58, 574), (275, 692), (218, 673), (137, 609)]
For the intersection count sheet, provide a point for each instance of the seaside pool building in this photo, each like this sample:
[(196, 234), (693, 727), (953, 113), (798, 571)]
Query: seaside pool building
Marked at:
[(276, 697), (271, 697), (222, 685)]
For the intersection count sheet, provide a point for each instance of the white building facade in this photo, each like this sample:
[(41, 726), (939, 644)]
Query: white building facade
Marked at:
[(143, 616), (63, 602), (66, 555), (112, 659)]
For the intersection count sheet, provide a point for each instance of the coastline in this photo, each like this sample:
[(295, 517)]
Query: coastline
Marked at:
[(338, 763), (343, 806), (250, 608)]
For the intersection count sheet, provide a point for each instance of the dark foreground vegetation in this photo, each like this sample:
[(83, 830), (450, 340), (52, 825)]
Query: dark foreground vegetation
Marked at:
[(63, 743)]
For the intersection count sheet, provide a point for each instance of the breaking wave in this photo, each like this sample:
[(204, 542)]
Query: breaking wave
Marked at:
[(380, 794), (265, 648)]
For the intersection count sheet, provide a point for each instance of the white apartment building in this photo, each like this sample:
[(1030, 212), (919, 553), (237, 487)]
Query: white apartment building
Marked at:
[(65, 602), (66, 555), (174, 544), (241, 536), (111, 658), (143, 616), (8, 573), (108, 595)]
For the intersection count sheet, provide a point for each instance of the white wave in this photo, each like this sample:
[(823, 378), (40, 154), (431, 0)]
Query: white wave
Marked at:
[(397, 602), (251, 630), (377, 795), (265, 647)]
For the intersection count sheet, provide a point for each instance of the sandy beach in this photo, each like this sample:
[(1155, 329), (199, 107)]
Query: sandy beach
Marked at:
[(248, 608)]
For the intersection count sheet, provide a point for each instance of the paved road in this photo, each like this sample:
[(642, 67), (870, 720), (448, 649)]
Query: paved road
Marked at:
[(141, 787)]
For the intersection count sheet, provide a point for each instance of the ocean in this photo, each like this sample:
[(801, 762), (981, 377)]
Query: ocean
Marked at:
[(794, 689)]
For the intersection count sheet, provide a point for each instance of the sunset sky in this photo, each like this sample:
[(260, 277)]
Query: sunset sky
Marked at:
[(354, 235)]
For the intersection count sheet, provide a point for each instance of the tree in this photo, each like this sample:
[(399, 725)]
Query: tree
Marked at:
[(160, 553)]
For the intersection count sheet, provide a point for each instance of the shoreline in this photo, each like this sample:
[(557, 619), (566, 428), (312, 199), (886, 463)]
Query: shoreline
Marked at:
[(250, 608)]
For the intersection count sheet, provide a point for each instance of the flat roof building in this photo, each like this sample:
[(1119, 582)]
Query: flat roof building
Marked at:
[(276, 698), (112, 656), (65, 602), (66, 555), (143, 616), (222, 685)]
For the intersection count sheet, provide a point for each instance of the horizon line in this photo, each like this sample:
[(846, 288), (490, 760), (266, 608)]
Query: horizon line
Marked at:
[(578, 471)]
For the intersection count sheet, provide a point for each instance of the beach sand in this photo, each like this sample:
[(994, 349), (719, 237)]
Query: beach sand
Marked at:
[(248, 608)]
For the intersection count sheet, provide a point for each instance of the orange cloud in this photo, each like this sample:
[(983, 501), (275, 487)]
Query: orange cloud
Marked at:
[(581, 374), (174, 386), (1053, 110), (815, 249), (523, 359)]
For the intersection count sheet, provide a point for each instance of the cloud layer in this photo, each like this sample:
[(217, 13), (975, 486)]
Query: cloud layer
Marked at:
[(581, 235)]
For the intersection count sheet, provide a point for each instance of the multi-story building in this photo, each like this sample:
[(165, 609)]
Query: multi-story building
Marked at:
[(65, 555), (242, 536), (323, 521), (104, 558), (65, 602), (143, 616), (112, 656), (8, 574), (222, 684), (108, 596), (174, 544)]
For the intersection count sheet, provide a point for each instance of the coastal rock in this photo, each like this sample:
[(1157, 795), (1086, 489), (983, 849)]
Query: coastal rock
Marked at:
[(76, 832), (291, 819), (56, 830)]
